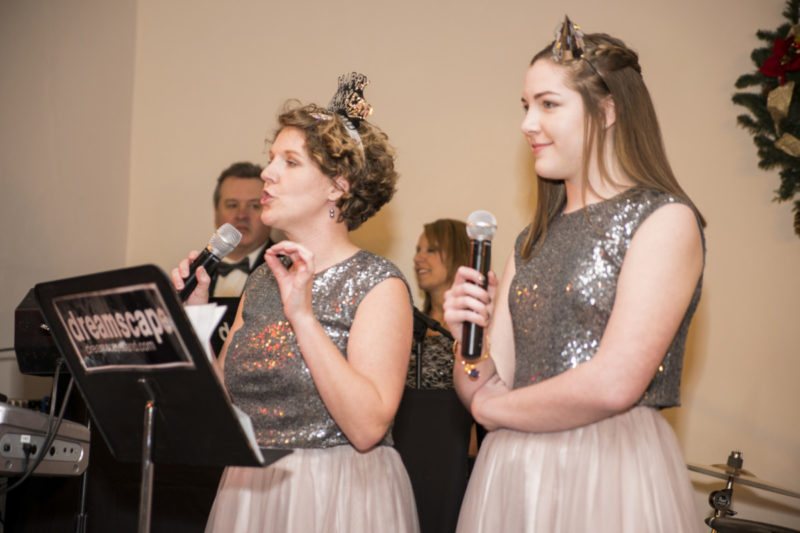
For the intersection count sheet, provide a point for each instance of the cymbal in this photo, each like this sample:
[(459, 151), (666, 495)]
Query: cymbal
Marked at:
[(737, 525), (740, 476)]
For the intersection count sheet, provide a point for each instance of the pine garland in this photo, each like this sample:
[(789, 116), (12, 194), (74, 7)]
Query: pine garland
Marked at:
[(775, 111)]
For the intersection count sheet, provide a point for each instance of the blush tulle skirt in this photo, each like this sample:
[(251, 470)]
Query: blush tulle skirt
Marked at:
[(318, 490), (622, 474)]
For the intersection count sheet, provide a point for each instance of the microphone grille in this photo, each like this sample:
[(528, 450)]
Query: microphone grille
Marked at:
[(481, 226), (224, 240)]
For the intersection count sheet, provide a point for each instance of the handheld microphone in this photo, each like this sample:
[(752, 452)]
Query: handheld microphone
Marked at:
[(221, 244), (481, 226)]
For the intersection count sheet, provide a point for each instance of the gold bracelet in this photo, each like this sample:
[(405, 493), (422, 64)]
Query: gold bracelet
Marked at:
[(470, 369)]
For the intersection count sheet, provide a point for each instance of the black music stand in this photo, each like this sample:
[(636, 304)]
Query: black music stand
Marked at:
[(150, 387)]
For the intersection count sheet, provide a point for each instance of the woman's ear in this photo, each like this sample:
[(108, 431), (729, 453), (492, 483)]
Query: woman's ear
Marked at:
[(340, 186), (610, 111)]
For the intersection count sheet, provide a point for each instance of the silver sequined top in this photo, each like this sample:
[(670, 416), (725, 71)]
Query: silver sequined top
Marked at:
[(561, 298), (264, 369)]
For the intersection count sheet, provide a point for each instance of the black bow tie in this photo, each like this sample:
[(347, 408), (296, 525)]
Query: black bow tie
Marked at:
[(223, 268)]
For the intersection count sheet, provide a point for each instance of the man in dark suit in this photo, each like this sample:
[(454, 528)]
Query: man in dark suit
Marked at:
[(237, 201)]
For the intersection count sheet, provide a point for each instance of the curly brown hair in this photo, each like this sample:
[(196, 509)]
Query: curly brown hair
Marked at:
[(368, 168)]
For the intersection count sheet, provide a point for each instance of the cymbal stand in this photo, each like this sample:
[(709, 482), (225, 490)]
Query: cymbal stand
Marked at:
[(721, 500)]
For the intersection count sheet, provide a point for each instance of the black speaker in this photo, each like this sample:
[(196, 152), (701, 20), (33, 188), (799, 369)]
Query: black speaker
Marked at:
[(36, 350)]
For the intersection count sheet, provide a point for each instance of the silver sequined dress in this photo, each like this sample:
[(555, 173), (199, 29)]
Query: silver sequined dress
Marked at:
[(622, 474), (325, 484)]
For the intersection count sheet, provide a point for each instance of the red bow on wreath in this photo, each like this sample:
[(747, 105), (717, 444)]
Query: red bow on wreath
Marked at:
[(785, 57)]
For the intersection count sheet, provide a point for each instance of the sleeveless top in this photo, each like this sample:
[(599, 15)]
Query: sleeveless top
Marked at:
[(561, 298), (264, 369)]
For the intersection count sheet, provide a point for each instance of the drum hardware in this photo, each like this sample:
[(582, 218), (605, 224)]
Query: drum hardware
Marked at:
[(721, 500)]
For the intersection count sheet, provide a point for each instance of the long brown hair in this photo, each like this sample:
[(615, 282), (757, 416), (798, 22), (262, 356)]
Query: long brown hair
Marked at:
[(450, 237), (608, 68)]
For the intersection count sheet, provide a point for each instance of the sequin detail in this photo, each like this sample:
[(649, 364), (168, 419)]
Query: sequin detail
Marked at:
[(268, 344), (264, 368), (561, 298)]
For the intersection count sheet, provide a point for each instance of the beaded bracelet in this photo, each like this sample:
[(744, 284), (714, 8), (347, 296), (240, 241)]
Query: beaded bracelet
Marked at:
[(470, 369)]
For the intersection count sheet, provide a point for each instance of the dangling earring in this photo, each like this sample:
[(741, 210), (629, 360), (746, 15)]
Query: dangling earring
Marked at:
[(331, 213)]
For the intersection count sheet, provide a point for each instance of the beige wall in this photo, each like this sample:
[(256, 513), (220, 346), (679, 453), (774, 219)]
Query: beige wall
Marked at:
[(66, 93), (209, 78)]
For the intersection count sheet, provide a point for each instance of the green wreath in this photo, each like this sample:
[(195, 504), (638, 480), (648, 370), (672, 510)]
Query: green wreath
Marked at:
[(775, 120)]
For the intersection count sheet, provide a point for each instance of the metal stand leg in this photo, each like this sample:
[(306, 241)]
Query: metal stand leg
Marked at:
[(419, 364), (146, 493), (80, 523)]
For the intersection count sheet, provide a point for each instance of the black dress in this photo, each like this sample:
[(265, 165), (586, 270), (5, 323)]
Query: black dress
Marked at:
[(431, 432)]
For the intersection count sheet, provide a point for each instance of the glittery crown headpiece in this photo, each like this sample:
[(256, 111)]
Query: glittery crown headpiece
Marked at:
[(569, 45), (348, 102), (349, 98)]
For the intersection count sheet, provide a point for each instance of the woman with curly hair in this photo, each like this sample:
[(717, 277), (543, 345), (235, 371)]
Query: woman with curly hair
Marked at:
[(318, 352)]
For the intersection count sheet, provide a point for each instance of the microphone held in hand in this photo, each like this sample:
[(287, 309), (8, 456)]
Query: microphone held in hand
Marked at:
[(481, 226), (221, 244)]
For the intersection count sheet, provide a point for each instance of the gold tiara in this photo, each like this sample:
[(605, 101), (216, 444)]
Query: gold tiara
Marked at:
[(569, 43)]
